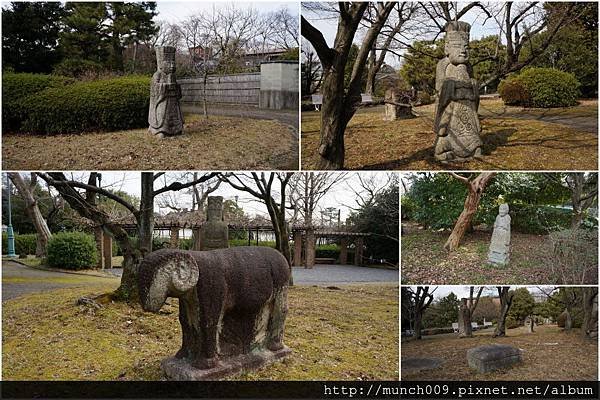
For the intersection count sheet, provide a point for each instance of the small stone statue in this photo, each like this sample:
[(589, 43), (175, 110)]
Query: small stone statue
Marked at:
[(232, 307), (499, 253), (456, 121), (214, 233), (164, 116)]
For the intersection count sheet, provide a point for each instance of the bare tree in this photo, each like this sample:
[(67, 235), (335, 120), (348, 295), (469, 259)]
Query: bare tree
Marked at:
[(85, 204), (505, 302), (589, 326), (465, 312), (476, 185), (307, 189), (262, 186), (340, 103), (313, 73), (199, 192), (420, 300), (26, 191)]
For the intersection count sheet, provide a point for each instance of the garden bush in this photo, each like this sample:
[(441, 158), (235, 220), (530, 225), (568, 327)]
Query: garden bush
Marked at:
[(512, 323), (540, 87), (17, 87), (328, 251), (102, 105), (573, 256), (77, 68), (24, 244), (72, 250), (538, 219)]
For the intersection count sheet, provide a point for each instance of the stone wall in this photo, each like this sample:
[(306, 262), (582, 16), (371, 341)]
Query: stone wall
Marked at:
[(230, 89), (279, 85)]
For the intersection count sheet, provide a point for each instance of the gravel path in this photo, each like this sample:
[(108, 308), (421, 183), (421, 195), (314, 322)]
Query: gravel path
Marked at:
[(332, 274), (37, 280)]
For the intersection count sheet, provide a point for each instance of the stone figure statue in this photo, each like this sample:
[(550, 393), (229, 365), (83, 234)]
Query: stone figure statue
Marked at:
[(232, 307), (214, 233), (499, 253), (164, 116), (456, 121)]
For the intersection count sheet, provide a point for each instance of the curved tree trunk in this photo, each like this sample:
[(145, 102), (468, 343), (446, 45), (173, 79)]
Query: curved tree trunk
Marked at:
[(505, 303), (26, 192), (475, 189), (333, 120)]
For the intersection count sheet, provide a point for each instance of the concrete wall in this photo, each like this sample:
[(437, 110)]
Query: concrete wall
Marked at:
[(279, 85), (232, 89)]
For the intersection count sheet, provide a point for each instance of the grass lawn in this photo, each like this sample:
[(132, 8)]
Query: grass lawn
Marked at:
[(221, 143), (514, 139), (424, 260), (345, 334), (550, 353)]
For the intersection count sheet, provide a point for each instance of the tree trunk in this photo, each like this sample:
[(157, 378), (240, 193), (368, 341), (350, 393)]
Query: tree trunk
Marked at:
[(26, 192), (465, 329), (505, 303), (333, 120), (371, 74), (418, 317), (531, 324), (475, 188), (568, 320), (146, 223), (590, 312)]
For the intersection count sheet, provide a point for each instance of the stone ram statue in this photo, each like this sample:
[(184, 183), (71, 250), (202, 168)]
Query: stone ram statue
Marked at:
[(232, 307)]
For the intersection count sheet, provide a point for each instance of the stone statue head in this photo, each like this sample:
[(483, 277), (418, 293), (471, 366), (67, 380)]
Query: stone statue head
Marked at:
[(165, 59), (214, 210), (457, 42), (503, 210)]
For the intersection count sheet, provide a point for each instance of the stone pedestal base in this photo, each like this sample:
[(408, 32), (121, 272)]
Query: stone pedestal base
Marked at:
[(492, 357), (179, 369)]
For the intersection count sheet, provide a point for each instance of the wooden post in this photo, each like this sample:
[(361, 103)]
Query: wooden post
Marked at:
[(107, 251), (257, 235), (196, 241), (358, 254), (344, 251), (99, 237), (297, 248), (174, 238), (249, 236)]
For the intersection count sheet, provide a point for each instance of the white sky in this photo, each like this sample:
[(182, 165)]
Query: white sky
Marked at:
[(463, 291), (174, 11), (340, 196)]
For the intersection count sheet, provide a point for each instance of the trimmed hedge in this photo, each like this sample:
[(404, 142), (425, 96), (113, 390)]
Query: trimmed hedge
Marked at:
[(102, 105), (72, 250), (17, 87), (540, 87), (25, 244)]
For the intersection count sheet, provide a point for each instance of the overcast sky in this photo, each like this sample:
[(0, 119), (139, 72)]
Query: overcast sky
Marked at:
[(463, 291), (174, 11), (341, 196)]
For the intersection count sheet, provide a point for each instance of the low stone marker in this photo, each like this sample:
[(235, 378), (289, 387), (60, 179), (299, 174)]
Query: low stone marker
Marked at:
[(215, 232), (493, 357), (499, 253)]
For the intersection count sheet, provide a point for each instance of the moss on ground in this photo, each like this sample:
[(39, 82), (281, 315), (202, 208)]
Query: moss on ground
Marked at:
[(228, 143), (342, 334), (514, 139)]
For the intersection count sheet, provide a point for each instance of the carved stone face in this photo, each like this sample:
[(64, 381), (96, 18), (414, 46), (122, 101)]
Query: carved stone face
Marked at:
[(503, 210), (457, 51), (167, 66), (214, 211)]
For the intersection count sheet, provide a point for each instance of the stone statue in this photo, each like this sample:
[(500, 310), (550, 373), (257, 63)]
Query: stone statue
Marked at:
[(232, 307), (499, 253), (164, 116), (214, 233), (456, 121)]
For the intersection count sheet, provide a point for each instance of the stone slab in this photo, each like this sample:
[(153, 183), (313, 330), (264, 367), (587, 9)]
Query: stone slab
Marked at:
[(179, 369), (493, 357), (413, 365)]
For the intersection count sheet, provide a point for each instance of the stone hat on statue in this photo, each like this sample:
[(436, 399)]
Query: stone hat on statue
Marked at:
[(457, 31), (165, 53)]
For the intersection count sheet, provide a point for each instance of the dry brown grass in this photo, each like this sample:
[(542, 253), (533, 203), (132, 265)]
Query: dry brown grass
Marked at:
[(511, 142), (219, 143), (571, 358), (345, 334)]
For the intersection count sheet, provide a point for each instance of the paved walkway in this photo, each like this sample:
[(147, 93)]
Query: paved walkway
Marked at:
[(331, 274), (18, 280)]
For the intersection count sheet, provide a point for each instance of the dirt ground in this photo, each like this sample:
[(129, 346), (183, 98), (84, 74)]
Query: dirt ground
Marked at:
[(424, 260), (219, 143), (514, 139), (549, 353)]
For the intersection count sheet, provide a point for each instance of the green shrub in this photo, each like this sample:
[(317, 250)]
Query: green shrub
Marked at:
[(540, 87), (24, 244), (328, 251), (17, 87), (511, 323), (72, 250), (103, 105), (77, 67), (537, 219), (244, 242)]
